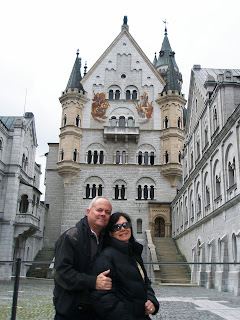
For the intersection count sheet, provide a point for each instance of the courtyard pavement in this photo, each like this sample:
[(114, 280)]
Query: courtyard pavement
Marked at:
[(176, 302)]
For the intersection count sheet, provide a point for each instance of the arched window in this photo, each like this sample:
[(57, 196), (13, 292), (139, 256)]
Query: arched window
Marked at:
[(89, 157), (218, 186), (179, 157), (166, 122), (234, 248), (124, 157), (95, 157), (61, 155), (117, 95), (145, 157), (139, 225), (77, 121), (152, 158), (123, 192), (26, 163), (199, 204), (134, 95), (206, 136), (110, 94), (140, 157), (100, 190), (166, 157), (215, 119), (1, 144), (23, 161), (231, 173), (23, 207), (87, 191), (130, 122), (101, 158), (128, 95), (116, 192), (179, 123), (196, 105), (122, 122), (118, 157), (94, 191), (207, 195), (198, 149), (151, 192), (145, 192), (191, 160), (113, 122), (139, 196), (75, 155), (64, 120)]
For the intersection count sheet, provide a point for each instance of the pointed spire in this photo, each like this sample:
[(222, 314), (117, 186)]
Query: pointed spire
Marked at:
[(155, 60), (171, 78), (75, 77)]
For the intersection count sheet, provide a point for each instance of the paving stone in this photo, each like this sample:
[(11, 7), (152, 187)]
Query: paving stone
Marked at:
[(176, 302)]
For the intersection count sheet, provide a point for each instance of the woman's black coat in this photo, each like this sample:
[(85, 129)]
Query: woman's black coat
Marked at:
[(126, 300)]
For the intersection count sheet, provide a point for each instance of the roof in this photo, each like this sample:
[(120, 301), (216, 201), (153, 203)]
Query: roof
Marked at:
[(171, 79), (9, 121), (203, 73), (75, 77), (145, 58), (165, 53)]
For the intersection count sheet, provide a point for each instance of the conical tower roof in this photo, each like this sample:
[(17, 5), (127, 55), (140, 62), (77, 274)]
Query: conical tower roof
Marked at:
[(164, 54), (75, 77), (171, 77)]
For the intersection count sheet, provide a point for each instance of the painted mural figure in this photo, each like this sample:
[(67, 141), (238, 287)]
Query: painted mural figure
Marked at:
[(99, 105), (144, 108)]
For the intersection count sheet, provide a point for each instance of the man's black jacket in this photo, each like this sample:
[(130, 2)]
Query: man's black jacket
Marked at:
[(72, 269)]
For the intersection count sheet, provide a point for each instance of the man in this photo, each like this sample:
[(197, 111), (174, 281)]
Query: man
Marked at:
[(75, 251)]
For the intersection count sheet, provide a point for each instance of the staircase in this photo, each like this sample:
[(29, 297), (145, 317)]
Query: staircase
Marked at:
[(167, 251), (39, 270)]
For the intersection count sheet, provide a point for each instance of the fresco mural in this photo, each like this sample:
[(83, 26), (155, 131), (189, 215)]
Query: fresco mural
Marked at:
[(99, 105), (144, 108)]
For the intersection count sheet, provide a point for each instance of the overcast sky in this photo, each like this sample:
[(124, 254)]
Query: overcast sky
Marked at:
[(39, 40)]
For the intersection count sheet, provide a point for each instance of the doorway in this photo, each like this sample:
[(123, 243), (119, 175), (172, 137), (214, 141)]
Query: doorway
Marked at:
[(159, 227)]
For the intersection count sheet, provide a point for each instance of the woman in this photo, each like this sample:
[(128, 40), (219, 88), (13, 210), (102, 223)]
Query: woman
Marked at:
[(131, 296)]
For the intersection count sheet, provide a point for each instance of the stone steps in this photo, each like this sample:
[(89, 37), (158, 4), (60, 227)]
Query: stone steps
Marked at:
[(39, 270), (167, 252)]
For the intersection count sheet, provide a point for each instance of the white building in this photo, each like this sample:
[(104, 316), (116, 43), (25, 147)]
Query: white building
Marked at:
[(206, 211), (21, 213)]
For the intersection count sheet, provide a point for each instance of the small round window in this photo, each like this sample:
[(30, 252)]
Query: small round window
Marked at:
[(123, 76)]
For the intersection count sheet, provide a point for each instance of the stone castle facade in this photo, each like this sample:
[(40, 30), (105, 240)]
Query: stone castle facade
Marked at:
[(21, 212), (121, 136), (205, 212)]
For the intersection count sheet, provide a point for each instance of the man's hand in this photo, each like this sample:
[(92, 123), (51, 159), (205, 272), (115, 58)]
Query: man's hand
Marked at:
[(149, 307), (103, 282)]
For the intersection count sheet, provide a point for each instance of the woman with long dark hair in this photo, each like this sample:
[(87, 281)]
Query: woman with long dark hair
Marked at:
[(131, 296)]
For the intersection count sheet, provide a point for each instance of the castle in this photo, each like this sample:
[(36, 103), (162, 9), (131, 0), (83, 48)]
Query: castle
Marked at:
[(126, 134)]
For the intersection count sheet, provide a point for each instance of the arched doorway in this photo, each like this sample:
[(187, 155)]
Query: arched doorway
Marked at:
[(159, 227)]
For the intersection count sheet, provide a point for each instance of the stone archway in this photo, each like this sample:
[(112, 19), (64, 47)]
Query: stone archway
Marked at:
[(159, 227), (160, 220)]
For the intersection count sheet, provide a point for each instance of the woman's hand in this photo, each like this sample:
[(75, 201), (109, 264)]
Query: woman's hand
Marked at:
[(149, 307)]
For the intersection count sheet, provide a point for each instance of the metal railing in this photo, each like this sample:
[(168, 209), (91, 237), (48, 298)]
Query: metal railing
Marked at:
[(17, 271)]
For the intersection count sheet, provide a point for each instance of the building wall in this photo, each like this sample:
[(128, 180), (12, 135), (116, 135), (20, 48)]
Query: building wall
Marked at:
[(205, 217)]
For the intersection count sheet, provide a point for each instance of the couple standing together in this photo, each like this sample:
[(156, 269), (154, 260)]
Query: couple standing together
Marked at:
[(98, 272)]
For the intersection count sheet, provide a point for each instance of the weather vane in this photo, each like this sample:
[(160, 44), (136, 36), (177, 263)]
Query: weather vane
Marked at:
[(165, 22)]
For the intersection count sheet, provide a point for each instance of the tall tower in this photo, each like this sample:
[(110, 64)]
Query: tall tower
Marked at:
[(73, 100), (172, 103)]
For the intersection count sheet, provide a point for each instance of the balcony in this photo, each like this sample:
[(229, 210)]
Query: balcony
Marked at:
[(121, 133), (26, 223)]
